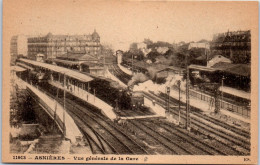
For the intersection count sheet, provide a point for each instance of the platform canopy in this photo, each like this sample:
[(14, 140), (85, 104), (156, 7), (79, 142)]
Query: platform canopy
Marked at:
[(17, 68), (68, 72), (202, 68), (67, 62), (24, 66)]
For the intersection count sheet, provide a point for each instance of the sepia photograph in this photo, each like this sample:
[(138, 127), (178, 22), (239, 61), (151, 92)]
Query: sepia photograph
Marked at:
[(89, 81)]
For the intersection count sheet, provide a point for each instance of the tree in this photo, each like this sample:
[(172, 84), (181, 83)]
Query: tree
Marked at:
[(133, 47), (152, 55)]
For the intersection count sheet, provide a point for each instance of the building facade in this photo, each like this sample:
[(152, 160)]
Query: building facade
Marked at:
[(234, 45), (56, 45), (18, 45)]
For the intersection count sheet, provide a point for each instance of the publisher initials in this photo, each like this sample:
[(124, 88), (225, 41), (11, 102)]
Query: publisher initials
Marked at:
[(246, 159)]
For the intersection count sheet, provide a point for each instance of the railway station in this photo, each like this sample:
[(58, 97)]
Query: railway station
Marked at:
[(114, 118), (153, 99)]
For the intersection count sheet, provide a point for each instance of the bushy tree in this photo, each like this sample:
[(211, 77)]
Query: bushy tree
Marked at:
[(152, 55)]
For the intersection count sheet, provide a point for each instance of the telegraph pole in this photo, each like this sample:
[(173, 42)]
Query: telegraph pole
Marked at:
[(187, 95)]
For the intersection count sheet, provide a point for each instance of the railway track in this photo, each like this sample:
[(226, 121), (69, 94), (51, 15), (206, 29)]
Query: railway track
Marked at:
[(96, 143), (115, 70), (231, 136), (238, 131), (207, 129), (238, 134), (234, 129), (214, 148), (123, 142), (114, 138), (178, 144)]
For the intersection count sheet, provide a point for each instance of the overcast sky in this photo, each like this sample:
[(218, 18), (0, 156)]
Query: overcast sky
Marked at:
[(120, 23)]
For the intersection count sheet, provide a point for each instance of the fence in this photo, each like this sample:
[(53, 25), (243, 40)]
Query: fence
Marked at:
[(241, 110)]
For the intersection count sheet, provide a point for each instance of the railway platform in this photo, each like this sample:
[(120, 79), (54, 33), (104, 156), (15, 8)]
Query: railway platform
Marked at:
[(111, 76), (106, 109), (124, 69)]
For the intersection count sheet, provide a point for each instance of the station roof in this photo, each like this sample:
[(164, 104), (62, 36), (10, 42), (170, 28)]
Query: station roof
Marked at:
[(24, 66), (71, 73), (202, 68), (17, 68), (173, 68), (237, 69), (77, 56), (66, 61)]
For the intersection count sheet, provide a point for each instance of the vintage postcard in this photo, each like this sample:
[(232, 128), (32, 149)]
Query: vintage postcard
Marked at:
[(136, 82)]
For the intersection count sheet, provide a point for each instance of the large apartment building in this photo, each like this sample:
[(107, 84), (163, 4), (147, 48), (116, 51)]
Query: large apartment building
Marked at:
[(52, 46), (234, 45), (18, 47)]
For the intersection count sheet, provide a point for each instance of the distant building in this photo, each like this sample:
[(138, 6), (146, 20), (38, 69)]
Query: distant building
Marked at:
[(234, 45), (216, 59), (53, 46), (162, 50), (143, 47), (18, 45)]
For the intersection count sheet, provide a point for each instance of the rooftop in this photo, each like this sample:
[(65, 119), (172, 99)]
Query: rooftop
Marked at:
[(237, 69), (77, 56)]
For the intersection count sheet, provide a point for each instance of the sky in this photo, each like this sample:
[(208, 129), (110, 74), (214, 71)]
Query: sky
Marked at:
[(120, 23)]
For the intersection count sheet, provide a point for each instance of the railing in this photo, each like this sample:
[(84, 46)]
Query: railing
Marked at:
[(48, 110)]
